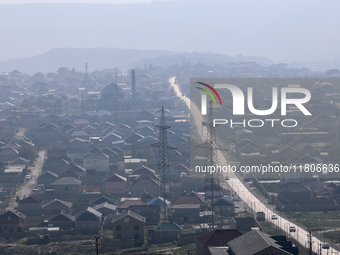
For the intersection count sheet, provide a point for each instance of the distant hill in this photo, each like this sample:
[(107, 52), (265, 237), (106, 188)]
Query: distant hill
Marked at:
[(102, 58), (98, 59), (210, 59)]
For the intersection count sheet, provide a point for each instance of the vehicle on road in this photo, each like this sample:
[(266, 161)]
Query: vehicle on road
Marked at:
[(274, 217), (325, 246), (227, 178), (33, 164), (292, 229), (27, 177)]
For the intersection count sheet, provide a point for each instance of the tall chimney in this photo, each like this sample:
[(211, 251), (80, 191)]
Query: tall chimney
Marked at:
[(133, 81)]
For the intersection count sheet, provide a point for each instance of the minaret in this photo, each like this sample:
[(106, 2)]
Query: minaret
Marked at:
[(86, 75), (116, 87), (133, 81)]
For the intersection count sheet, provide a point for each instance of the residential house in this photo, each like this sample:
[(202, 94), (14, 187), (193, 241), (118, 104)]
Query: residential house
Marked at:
[(128, 226), (8, 154), (215, 238), (78, 144), (78, 170), (113, 155), (96, 161), (159, 201), (66, 186), (47, 178), (104, 199), (324, 190), (56, 206), (80, 134), (167, 232), (146, 197), (30, 207), (189, 199), (115, 184), (105, 208), (226, 205), (143, 184), (112, 138), (88, 219), (184, 213), (124, 205), (13, 174), (56, 165), (145, 115), (151, 213), (294, 193), (259, 243), (143, 170), (133, 138), (48, 133), (12, 222), (62, 220)]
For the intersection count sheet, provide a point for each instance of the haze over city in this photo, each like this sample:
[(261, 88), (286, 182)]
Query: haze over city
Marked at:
[(186, 127)]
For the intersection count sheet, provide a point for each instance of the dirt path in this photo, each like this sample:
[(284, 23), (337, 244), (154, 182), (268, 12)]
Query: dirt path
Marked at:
[(25, 190)]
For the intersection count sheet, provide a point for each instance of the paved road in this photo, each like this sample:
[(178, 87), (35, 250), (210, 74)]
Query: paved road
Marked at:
[(25, 190), (236, 185)]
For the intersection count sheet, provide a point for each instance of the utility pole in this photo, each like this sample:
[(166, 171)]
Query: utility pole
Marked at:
[(163, 165), (97, 244)]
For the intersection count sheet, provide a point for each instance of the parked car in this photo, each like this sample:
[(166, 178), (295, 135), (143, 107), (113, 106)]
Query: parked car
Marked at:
[(27, 177), (325, 246), (33, 164), (292, 229), (274, 217)]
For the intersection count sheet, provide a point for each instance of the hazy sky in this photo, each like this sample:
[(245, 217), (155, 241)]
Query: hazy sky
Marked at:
[(278, 29), (73, 1)]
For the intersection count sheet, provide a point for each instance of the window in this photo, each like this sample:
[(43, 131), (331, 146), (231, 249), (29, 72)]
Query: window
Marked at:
[(136, 227), (126, 219), (118, 227), (118, 236), (136, 237)]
